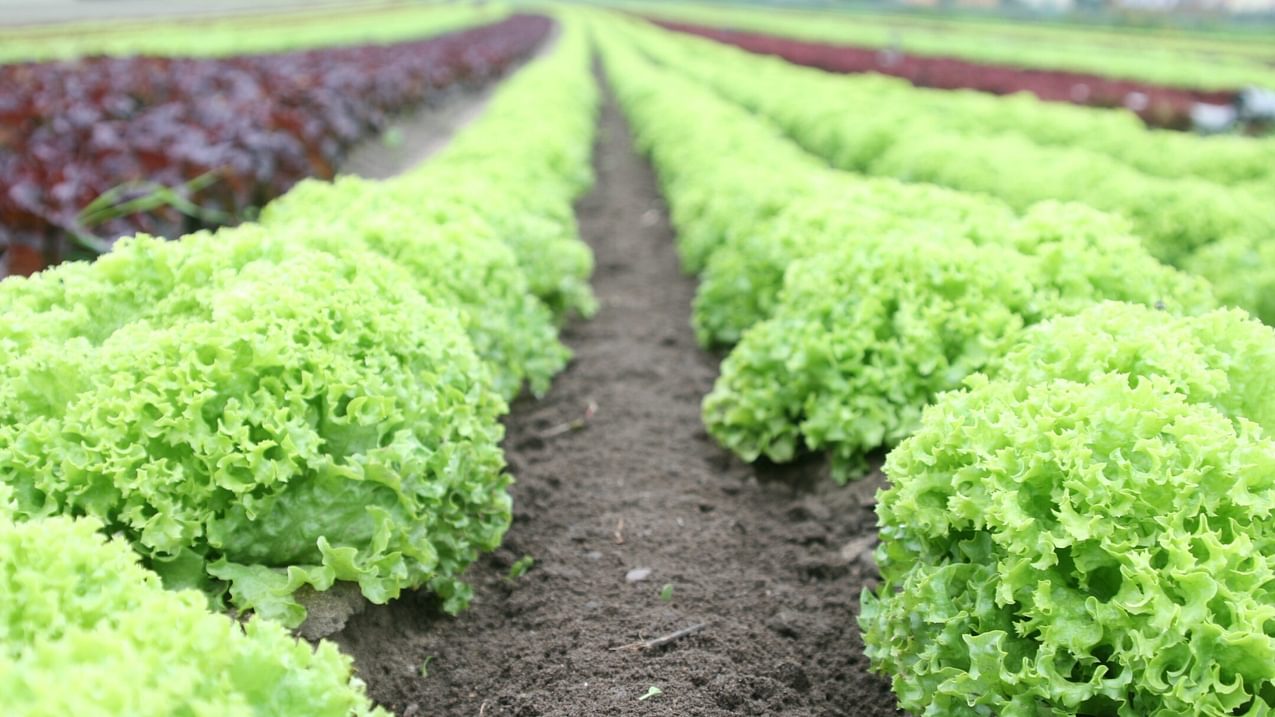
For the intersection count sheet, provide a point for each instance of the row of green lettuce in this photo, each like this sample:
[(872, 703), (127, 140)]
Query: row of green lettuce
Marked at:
[(1228, 160), (1080, 521), (1225, 39), (866, 116), (1215, 228), (254, 33), (762, 221), (266, 410), (1182, 64), (86, 630)]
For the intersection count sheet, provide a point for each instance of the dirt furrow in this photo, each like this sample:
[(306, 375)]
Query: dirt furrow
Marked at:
[(640, 526)]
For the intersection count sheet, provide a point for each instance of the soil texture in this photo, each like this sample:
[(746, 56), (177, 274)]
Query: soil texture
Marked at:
[(640, 527)]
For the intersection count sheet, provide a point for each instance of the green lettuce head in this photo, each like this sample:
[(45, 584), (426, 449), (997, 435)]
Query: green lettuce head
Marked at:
[(86, 630), (1056, 547), (273, 425)]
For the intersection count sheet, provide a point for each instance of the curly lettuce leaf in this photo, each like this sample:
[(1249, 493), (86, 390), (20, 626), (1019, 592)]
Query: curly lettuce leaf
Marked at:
[(86, 630), (1073, 548)]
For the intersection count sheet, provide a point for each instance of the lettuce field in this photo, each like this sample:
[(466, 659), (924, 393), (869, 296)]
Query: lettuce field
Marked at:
[(411, 359)]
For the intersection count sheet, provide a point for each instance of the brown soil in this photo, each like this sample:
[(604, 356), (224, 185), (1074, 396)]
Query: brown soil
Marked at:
[(770, 562)]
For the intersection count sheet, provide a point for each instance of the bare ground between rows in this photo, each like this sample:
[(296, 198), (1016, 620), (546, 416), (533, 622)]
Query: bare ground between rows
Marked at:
[(770, 564)]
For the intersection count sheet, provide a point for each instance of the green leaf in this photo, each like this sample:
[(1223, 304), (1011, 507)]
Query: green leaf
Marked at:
[(651, 691)]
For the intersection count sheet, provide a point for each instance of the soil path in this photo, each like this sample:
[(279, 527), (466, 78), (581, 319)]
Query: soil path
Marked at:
[(772, 566)]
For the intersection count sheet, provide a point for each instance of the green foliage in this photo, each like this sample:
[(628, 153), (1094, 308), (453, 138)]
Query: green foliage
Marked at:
[(1089, 532), (708, 215), (651, 691), (508, 177), (1083, 255), (872, 295), (1175, 216), (521, 566), (228, 36), (534, 226), (451, 263), (1228, 160), (1069, 548), (718, 183), (85, 630), (741, 283), (316, 397), (885, 127), (1242, 270), (546, 244), (1080, 533), (523, 162), (863, 337), (859, 342), (453, 255), (1185, 59), (1222, 358), (212, 431)]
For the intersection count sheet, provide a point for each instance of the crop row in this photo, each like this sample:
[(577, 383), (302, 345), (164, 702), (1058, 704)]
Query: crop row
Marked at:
[(1159, 106), (278, 30), (89, 145), (89, 631), (800, 375), (880, 126), (1091, 33), (1126, 55), (1080, 523), (1233, 161), (265, 410)]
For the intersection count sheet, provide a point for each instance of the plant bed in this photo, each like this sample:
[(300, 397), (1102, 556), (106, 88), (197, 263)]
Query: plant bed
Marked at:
[(1158, 106), (771, 564), (219, 137)]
